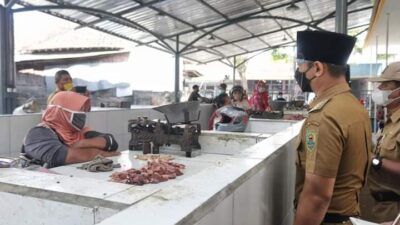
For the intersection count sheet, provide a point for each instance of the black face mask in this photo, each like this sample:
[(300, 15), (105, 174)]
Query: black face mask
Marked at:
[(302, 80), (79, 120)]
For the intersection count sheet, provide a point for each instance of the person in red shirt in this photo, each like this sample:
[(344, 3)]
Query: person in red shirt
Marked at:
[(259, 100)]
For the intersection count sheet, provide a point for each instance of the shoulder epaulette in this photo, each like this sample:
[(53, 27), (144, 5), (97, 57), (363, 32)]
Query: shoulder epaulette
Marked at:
[(319, 106)]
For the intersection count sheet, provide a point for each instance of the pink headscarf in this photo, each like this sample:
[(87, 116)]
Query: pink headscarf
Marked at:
[(57, 117)]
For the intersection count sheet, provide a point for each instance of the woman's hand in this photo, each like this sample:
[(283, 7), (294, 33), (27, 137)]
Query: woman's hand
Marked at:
[(96, 142)]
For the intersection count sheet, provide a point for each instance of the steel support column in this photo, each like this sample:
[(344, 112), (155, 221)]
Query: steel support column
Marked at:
[(234, 71), (177, 59), (7, 66), (341, 16), (387, 39)]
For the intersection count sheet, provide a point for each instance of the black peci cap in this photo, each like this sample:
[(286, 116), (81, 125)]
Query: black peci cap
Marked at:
[(323, 46)]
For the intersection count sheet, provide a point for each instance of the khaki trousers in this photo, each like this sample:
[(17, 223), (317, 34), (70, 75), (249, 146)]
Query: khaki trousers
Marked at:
[(385, 211)]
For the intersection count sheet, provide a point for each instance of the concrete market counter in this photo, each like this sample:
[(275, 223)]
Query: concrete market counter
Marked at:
[(238, 178)]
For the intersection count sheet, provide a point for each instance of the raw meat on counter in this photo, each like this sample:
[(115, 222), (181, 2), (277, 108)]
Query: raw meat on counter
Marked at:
[(154, 172)]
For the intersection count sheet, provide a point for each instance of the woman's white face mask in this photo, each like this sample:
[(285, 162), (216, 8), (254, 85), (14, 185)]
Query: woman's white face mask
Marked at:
[(381, 97), (261, 89)]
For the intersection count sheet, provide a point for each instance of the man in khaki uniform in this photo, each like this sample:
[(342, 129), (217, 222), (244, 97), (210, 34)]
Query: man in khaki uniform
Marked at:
[(335, 140), (384, 175)]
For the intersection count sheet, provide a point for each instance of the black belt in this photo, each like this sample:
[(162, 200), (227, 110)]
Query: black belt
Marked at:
[(335, 218), (386, 196)]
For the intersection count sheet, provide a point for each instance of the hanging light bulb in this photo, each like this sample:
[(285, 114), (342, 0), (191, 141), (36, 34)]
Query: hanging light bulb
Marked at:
[(160, 14), (211, 38), (292, 7), (284, 38)]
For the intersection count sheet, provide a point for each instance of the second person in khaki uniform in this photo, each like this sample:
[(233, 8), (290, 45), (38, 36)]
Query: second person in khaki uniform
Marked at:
[(335, 139), (384, 175)]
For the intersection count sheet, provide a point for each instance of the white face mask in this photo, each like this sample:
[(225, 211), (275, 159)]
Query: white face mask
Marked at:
[(261, 89), (381, 97)]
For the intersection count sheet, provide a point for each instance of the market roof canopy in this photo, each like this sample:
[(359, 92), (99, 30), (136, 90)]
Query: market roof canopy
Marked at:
[(207, 30)]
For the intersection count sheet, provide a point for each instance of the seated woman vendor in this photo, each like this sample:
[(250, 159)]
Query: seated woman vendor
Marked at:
[(62, 138)]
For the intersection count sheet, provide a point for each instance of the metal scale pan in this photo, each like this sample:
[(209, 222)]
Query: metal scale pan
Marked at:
[(183, 112)]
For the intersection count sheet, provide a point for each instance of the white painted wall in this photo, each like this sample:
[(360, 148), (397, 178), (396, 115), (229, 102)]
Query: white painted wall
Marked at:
[(268, 125), (265, 198), (33, 210)]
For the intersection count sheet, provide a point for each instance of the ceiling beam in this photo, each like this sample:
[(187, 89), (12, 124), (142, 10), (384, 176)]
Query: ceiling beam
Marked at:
[(47, 9), (10, 3), (126, 11), (247, 59), (263, 49), (319, 21), (240, 18), (188, 46), (251, 18), (308, 10), (331, 14), (227, 64), (281, 45), (248, 38), (283, 28), (92, 11), (280, 26), (362, 31), (226, 19), (162, 12), (358, 26)]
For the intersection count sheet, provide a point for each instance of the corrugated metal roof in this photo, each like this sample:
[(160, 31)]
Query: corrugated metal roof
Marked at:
[(83, 40), (208, 29)]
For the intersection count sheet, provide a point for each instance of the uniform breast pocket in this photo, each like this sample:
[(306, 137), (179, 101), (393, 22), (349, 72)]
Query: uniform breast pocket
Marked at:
[(389, 149)]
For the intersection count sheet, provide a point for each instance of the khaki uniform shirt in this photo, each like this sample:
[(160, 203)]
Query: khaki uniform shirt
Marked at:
[(335, 142), (388, 147)]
